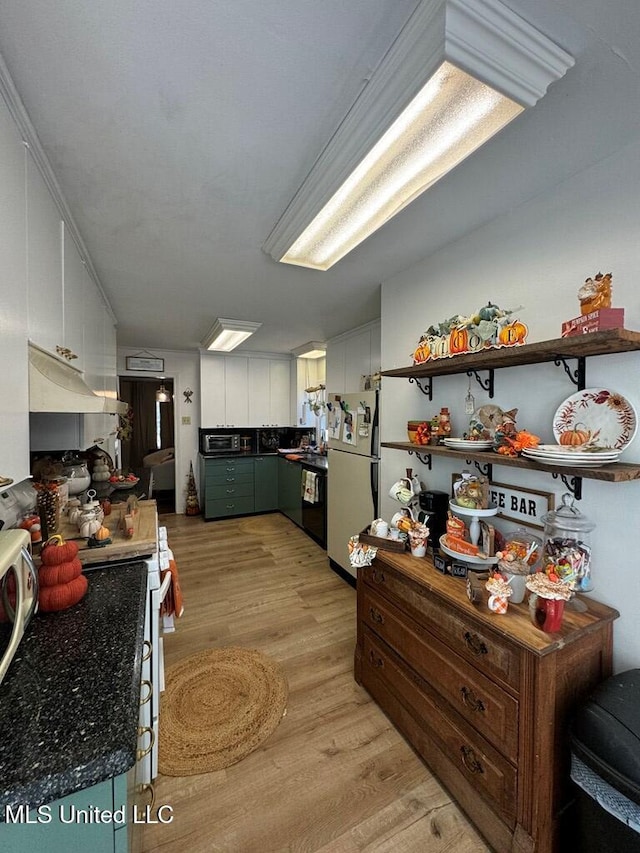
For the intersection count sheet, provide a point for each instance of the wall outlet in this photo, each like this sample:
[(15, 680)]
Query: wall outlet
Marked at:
[(186, 420)]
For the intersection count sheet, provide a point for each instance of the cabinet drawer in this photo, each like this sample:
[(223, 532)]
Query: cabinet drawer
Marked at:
[(221, 477), (488, 772), (228, 490), (486, 652), (231, 464), (230, 506), (485, 705)]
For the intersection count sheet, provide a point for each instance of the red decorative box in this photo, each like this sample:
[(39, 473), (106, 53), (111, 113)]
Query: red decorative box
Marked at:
[(596, 321)]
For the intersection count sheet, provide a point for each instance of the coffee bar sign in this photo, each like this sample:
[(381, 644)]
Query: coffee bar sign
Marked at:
[(527, 506)]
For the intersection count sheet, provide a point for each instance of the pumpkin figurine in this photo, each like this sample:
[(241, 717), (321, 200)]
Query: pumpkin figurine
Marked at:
[(100, 538), (60, 578), (512, 334)]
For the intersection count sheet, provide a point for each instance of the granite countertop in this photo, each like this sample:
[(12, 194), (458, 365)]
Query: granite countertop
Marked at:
[(69, 702)]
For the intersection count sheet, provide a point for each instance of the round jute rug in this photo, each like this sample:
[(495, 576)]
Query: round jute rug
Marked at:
[(218, 706)]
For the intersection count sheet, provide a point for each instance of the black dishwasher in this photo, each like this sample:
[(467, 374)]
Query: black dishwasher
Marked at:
[(314, 504)]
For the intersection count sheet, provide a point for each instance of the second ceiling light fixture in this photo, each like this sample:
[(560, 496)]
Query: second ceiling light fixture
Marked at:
[(459, 71)]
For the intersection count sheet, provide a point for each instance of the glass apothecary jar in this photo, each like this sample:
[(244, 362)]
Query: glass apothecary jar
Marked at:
[(566, 554)]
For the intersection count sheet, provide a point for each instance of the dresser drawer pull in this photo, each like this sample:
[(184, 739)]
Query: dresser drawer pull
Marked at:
[(147, 788), (377, 576), (475, 644), (147, 650), (231, 491), (375, 660), (231, 479), (142, 730), (470, 761), (471, 701), (376, 616), (144, 699)]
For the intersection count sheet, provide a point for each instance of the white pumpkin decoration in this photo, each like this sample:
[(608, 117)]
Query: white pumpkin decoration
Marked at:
[(88, 528), (101, 472)]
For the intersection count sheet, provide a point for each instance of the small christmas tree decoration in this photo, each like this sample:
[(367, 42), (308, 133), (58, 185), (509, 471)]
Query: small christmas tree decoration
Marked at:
[(192, 505)]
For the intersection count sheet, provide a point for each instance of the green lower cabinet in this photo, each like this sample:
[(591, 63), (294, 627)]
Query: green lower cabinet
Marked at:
[(290, 490), (63, 826), (266, 483)]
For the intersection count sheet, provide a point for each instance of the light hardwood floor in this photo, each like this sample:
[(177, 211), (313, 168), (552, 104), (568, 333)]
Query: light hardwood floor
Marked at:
[(335, 776)]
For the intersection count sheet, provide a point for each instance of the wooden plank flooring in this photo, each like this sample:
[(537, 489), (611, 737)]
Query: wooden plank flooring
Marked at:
[(335, 776)]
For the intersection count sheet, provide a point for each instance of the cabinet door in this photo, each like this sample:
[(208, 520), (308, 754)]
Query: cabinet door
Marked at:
[(259, 392), (236, 385), (280, 391), (290, 490), (14, 379), (74, 276), (266, 483), (95, 426), (357, 360), (44, 262), (336, 354), (212, 391)]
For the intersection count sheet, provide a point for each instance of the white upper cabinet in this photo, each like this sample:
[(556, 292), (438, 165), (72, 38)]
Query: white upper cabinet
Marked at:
[(213, 411), (44, 263), (241, 391), (14, 378), (280, 392), (352, 356), (236, 386), (74, 281)]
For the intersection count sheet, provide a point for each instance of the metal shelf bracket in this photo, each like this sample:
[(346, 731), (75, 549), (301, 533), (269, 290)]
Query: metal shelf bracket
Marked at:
[(428, 389), (484, 468), (573, 484), (577, 376), (424, 458), (485, 384)]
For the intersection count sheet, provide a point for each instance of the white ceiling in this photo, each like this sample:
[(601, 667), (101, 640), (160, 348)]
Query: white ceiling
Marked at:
[(179, 130)]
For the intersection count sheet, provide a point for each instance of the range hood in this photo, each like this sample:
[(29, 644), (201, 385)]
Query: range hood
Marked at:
[(58, 387)]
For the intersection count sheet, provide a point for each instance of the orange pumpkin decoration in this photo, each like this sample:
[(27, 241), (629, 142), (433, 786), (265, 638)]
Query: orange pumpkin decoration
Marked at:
[(60, 573), (458, 341), (56, 551), (512, 334), (62, 595), (421, 353), (102, 534), (574, 437)]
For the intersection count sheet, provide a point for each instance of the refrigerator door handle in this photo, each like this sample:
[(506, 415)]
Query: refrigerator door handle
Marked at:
[(373, 469), (375, 428)]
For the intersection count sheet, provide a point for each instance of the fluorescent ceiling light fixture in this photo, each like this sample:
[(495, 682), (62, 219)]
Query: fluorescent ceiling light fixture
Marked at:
[(458, 73), (314, 349), (162, 395), (226, 335)]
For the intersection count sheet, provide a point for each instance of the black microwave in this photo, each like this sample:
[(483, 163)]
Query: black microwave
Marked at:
[(218, 442)]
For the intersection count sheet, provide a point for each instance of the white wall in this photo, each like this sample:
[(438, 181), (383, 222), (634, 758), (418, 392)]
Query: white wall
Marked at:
[(184, 369), (537, 256)]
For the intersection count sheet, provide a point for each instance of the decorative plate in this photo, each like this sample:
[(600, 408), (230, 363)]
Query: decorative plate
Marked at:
[(465, 558), (562, 461), (576, 452), (609, 418), (467, 444)]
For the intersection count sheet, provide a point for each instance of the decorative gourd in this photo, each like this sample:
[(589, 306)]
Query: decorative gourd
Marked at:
[(62, 595), (102, 533), (101, 472), (88, 528), (61, 573), (458, 341), (421, 353), (489, 312), (56, 551), (575, 436), (513, 333)]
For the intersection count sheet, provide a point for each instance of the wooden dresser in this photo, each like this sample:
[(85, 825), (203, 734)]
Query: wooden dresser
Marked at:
[(483, 698)]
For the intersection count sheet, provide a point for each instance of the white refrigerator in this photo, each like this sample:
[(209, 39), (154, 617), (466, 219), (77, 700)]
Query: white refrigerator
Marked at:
[(352, 486)]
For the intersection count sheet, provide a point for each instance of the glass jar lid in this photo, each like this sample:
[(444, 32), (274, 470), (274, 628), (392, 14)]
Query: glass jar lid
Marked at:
[(568, 517)]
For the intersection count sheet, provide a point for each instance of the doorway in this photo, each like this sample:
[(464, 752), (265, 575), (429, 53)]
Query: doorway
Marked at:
[(149, 450)]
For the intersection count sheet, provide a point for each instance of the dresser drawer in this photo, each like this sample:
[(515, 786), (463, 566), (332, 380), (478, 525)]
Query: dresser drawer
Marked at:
[(479, 646), (220, 467), (482, 702), (484, 768)]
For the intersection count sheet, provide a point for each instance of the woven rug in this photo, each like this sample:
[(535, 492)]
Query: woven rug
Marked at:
[(218, 706)]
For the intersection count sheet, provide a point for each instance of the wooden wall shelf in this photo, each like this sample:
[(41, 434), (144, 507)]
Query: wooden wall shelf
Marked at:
[(596, 343)]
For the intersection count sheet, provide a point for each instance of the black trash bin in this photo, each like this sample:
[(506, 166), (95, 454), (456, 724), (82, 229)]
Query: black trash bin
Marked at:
[(605, 767)]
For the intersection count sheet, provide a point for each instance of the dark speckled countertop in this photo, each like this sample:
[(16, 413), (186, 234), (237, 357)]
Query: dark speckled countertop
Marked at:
[(69, 702)]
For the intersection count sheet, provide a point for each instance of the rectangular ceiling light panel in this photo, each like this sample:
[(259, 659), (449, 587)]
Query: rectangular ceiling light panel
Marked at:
[(226, 335), (453, 115)]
